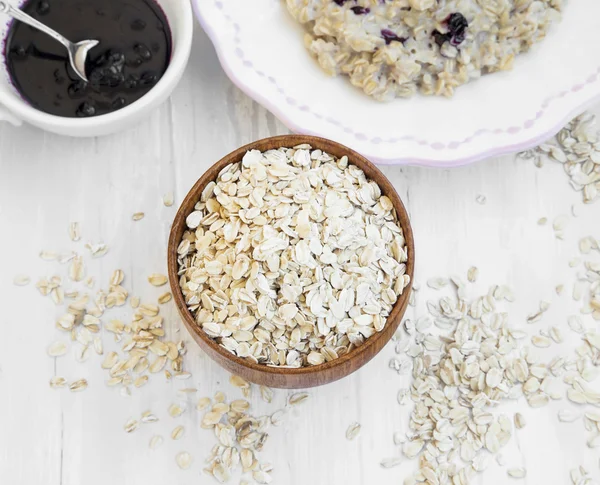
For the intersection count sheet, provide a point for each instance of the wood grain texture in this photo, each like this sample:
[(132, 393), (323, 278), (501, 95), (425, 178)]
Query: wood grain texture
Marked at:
[(276, 376), (60, 438)]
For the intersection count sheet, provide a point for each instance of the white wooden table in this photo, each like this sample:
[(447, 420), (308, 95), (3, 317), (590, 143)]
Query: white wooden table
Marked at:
[(50, 437)]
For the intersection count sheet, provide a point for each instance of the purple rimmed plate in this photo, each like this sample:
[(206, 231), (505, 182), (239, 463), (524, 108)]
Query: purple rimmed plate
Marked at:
[(260, 46)]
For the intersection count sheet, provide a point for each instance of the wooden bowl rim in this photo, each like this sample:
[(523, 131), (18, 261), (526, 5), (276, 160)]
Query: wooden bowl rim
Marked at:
[(290, 141)]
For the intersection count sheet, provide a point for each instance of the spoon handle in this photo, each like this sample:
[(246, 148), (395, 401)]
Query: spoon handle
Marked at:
[(17, 14)]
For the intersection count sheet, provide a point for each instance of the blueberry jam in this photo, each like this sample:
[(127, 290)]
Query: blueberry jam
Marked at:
[(133, 54), (360, 10)]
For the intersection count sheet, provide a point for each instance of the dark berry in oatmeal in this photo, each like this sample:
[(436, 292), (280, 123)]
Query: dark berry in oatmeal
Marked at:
[(391, 36), (457, 28)]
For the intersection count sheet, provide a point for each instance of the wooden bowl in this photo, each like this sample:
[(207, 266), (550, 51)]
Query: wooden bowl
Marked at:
[(305, 376)]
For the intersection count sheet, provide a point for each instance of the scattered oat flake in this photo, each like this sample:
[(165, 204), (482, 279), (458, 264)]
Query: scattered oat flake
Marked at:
[(110, 360), (148, 417), (578, 290), (240, 406), (472, 274), (149, 310), (188, 390), (65, 258), (98, 346), (138, 216), (261, 477), (593, 416), (175, 410), (266, 393), (183, 460), (560, 222), (57, 349), (437, 283), (177, 433), (117, 277), (594, 441), (277, 417), (212, 418), (540, 341), (78, 385), (155, 441), (576, 324), (131, 425), (575, 210), (21, 280), (156, 279), (203, 403), (298, 398), (49, 255), (586, 244), (520, 421), (165, 298), (399, 438), (74, 231), (77, 269), (168, 199), (542, 221), (58, 295), (556, 335), (57, 382), (82, 353), (353, 431), (391, 462), (97, 250), (238, 381), (158, 364), (516, 472), (140, 381)]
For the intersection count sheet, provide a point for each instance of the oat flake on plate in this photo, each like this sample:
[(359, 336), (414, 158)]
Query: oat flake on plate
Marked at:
[(292, 257)]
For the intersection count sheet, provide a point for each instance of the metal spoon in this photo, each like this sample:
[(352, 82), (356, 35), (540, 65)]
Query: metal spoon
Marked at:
[(77, 52)]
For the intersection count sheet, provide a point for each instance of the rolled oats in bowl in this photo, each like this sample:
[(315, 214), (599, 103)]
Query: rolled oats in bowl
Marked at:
[(394, 48), (292, 257)]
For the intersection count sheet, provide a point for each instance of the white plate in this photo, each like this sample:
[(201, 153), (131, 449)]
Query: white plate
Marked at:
[(261, 49)]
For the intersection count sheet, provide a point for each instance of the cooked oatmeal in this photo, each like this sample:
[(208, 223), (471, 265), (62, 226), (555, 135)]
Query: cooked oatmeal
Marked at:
[(394, 48)]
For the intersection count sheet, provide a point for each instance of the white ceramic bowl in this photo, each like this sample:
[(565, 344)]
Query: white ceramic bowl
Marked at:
[(15, 110), (261, 49)]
